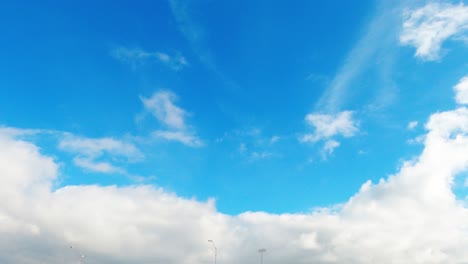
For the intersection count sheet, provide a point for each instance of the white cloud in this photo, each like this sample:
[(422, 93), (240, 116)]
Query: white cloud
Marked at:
[(330, 125), (252, 144), (242, 148), (461, 90), (257, 155), (17, 132), (136, 57), (274, 139), (411, 217), (417, 140), (179, 136), (254, 153), (376, 50), (89, 150), (327, 127), (95, 147), (329, 147), (97, 166), (428, 27), (412, 125), (162, 105)]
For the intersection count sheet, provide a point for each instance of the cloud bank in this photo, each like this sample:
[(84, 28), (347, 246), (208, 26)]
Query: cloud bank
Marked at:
[(411, 217)]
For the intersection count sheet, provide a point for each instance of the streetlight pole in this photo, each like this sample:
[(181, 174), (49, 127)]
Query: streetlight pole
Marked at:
[(216, 250), (261, 251)]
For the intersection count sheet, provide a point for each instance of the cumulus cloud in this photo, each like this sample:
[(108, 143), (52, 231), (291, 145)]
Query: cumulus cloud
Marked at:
[(461, 90), (411, 217), (162, 106), (136, 57), (428, 27), (328, 126)]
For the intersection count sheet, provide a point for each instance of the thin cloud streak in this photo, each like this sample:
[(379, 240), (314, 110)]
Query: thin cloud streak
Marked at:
[(137, 57), (195, 34), (378, 41)]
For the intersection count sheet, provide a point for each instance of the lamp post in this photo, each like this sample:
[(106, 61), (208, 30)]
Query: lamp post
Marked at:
[(261, 251), (216, 250)]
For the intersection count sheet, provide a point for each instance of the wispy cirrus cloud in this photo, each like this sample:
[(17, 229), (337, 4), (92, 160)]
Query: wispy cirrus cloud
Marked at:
[(162, 105), (374, 54), (180, 136), (97, 166), (254, 152), (16, 132), (90, 152), (252, 144), (137, 57), (95, 147), (426, 28), (377, 44), (196, 35)]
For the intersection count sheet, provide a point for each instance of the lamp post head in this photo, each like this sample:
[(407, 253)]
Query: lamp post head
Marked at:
[(262, 250), (209, 240)]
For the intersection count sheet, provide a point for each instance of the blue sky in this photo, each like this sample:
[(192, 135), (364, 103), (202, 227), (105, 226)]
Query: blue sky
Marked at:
[(250, 73), (254, 106), (241, 86)]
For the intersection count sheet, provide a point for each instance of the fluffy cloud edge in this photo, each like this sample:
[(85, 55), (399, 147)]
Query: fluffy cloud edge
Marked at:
[(428, 27), (327, 127), (461, 91), (330, 125)]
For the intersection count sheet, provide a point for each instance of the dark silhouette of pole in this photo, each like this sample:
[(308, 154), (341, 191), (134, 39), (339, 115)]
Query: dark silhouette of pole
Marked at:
[(261, 251), (216, 250)]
